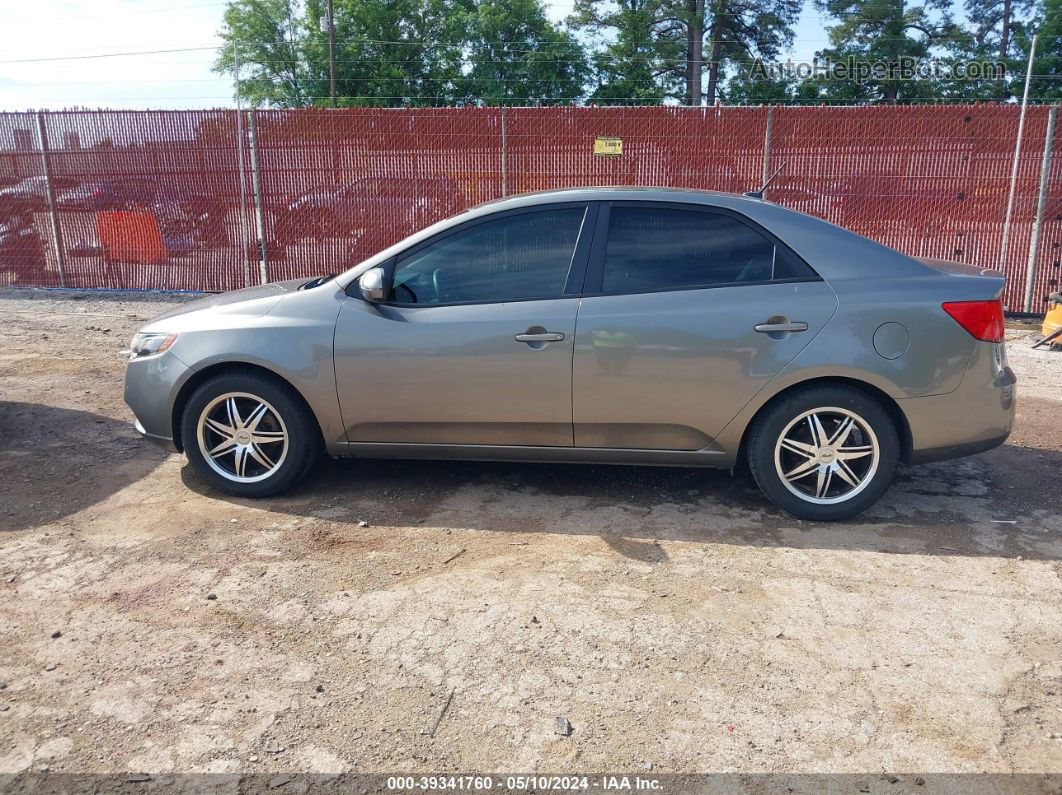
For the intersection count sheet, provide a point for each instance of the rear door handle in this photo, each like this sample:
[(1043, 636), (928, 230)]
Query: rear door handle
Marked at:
[(548, 336), (771, 328)]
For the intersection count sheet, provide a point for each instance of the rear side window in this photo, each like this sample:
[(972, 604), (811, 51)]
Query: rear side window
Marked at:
[(660, 248)]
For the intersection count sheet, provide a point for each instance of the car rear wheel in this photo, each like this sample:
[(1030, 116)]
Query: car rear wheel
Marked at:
[(249, 435), (824, 453)]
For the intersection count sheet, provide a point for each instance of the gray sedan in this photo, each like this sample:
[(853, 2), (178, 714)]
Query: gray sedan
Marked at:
[(604, 325)]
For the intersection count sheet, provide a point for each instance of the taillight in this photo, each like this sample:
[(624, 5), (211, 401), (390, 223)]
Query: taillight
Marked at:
[(983, 319)]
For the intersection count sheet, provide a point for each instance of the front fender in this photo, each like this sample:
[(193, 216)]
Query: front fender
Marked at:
[(293, 340)]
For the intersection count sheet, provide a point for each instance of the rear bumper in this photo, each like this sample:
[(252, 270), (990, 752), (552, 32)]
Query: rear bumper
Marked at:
[(957, 450), (977, 416)]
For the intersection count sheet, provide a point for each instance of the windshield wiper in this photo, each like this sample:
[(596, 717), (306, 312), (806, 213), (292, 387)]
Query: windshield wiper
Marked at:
[(317, 282)]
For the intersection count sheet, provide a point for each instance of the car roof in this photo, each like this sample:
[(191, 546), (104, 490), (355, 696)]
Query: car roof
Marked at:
[(834, 252), (614, 192)]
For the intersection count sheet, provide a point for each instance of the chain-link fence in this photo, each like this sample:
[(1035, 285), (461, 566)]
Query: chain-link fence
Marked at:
[(214, 200)]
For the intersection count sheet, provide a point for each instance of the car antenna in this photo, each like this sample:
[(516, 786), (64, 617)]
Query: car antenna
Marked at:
[(758, 194)]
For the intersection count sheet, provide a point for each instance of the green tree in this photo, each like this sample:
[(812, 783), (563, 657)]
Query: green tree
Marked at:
[(742, 31), (637, 62), (994, 23), (663, 47), (388, 52), (518, 56), (265, 47), (758, 86), (892, 34), (394, 52), (1046, 84)]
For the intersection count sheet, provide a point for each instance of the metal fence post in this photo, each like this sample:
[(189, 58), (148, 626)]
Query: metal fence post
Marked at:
[(504, 153), (244, 239), (57, 230), (1017, 157), (259, 208), (1041, 203), (767, 145)]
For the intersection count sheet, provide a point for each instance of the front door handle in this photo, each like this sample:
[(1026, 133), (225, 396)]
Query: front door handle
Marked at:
[(775, 328), (546, 336)]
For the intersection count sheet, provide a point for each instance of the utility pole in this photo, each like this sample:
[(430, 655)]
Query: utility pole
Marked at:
[(331, 53)]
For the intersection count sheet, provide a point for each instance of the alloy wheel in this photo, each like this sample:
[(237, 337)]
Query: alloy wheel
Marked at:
[(242, 437), (827, 455)]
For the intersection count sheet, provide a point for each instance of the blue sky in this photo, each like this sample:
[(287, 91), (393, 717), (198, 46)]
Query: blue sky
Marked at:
[(49, 28)]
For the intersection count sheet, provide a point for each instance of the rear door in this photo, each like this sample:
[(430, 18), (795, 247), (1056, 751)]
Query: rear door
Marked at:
[(689, 311)]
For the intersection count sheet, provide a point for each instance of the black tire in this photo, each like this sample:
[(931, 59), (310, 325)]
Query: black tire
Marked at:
[(287, 414), (764, 442)]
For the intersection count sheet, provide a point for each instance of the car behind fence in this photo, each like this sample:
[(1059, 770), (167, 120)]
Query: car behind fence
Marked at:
[(219, 199)]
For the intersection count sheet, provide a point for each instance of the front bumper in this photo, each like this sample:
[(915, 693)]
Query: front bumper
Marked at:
[(151, 388), (162, 441)]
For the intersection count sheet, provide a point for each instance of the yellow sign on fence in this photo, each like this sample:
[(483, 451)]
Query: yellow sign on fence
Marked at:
[(605, 145)]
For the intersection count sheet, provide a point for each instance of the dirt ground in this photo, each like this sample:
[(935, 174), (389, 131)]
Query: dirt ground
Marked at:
[(679, 622)]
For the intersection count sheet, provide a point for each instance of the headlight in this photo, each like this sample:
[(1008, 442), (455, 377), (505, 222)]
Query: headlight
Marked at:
[(149, 344)]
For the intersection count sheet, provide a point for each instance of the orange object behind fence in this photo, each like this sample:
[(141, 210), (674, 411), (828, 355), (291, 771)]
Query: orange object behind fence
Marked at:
[(132, 237)]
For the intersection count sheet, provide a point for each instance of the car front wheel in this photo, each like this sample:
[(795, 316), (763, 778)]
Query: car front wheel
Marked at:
[(249, 435), (824, 453)]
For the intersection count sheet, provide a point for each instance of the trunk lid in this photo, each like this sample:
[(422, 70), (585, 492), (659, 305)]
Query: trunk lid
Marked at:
[(959, 268), (960, 281)]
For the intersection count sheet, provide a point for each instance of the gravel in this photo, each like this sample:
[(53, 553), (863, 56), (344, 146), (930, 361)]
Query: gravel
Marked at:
[(683, 624)]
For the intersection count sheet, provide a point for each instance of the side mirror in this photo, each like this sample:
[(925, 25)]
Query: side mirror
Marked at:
[(371, 285)]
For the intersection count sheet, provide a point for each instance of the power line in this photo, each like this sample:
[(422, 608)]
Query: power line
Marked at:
[(455, 79), (425, 43), (107, 55), (419, 43), (221, 47)]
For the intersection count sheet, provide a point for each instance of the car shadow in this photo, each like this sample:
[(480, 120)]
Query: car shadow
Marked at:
[(1001, 503), (56, 461)]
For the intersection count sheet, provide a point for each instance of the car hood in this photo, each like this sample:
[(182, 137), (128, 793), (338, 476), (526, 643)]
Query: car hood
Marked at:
[(248, 302)]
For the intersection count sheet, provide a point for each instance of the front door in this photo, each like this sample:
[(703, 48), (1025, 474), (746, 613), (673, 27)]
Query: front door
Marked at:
[(695, 311), (474, 344)]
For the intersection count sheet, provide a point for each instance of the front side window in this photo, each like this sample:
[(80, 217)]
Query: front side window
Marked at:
[(660, 248), (516, 257)]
